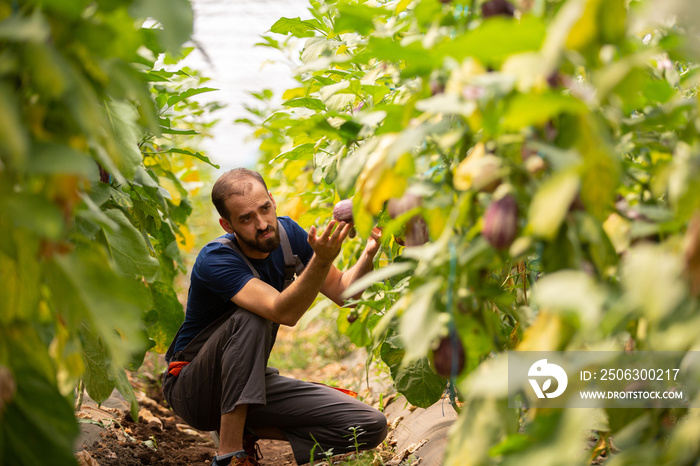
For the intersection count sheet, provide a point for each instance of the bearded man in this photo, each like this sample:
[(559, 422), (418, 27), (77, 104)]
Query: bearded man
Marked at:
[(264, 272)]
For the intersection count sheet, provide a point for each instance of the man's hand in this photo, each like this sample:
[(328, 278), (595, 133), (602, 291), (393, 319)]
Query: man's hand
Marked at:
[(327, 245), (374, 241)]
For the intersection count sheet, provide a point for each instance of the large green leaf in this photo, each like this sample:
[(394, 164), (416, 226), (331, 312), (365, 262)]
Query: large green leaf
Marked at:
[(98, 379), (38, 424), (421, 322), (125, 152), (128, 248), (175, 16), (496, 39), (14, 140), (415, 380), (300, 152), (419, 384), (537, 109), (294, 26), (82, 288), (357, 18), (306, 102), (170, 316)]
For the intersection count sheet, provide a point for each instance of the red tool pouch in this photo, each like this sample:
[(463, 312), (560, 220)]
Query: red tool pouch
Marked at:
[(175, 367)]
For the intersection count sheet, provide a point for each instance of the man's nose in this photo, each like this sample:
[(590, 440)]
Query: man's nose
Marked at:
[(262, 223)]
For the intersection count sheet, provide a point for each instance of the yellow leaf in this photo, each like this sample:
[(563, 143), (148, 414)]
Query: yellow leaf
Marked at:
[(478, 170), (584, 30), (169, 186), (618, 230), (187, 241), (402, 5), (545, 334), (551, 203), (294, 93)]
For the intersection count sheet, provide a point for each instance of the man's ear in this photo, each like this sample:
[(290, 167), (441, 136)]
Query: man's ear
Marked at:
[(274, 204), (225, 224)]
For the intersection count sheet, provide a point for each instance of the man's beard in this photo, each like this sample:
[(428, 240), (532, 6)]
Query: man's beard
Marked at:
[(266, 245)]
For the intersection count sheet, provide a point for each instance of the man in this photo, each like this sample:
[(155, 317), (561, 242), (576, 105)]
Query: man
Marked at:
[(218, 377)]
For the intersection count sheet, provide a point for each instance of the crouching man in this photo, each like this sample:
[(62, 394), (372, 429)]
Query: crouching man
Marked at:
[(242, 289)]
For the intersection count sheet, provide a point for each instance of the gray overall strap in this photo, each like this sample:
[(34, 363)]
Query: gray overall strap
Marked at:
[(292, 264)]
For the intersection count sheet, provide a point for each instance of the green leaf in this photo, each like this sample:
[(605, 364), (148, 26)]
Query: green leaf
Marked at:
[(125, 153), (419, 384), (61, 159), (121, 382), (293, 26), (421, 321), (170, 316), (357, 18), (34, 213), (101, 375), (300, 152), (38, 424), (175, 16), (537, 109), (378, 275), (416, 380), (84, 288), (495, 40), (413, 57), (197, 155), (98, 378), (187, 94), (181, 132), (14, 140), (16, 28), (128, 248), (305, 102), (20, 275)]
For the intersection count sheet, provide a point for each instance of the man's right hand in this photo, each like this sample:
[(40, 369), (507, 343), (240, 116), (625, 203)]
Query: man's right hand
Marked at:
[(327, 245)]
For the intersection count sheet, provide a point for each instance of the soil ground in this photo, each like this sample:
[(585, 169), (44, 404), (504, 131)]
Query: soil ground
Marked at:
[(162, 438)]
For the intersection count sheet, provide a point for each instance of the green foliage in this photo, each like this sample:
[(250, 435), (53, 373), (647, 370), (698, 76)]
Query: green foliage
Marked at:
[(586, 112), (95, 173)]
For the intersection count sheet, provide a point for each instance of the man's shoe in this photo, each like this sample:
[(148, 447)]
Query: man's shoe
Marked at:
[(245, 461), (251, 447), (241, 461)]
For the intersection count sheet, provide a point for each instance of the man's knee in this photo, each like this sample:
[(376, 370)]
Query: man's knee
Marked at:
[(374, 429), (248, 322)]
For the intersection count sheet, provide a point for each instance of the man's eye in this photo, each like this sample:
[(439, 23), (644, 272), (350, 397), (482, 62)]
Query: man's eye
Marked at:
[(266, 208)]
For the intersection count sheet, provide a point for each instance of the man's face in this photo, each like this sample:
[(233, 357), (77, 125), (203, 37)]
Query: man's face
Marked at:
[(254, 221)]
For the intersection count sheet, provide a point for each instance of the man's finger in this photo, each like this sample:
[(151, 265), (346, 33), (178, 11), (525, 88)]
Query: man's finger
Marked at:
[(338, 231), (344, 232), (329, 229)]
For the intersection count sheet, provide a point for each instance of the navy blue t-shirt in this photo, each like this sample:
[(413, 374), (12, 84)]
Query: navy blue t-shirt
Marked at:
[(219, 273)]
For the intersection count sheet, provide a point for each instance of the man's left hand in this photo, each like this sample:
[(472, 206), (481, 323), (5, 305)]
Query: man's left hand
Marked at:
[(374, 241)]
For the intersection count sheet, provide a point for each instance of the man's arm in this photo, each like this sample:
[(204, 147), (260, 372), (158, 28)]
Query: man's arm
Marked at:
[(337, 282), (287, 307)]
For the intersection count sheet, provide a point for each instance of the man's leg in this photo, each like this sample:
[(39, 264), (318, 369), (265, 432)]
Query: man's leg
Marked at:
[(316, 417), (227, 373), (231, 431)]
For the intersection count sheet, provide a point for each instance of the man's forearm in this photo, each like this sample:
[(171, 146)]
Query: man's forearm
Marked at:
[(294, 301), (362, 267)]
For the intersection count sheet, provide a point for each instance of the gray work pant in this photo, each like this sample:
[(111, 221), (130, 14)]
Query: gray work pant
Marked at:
[(231, 370)]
